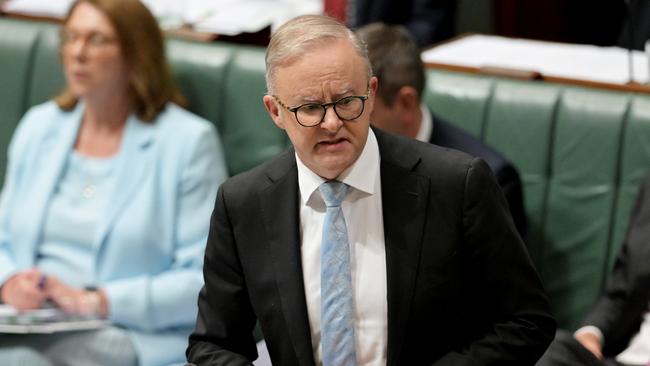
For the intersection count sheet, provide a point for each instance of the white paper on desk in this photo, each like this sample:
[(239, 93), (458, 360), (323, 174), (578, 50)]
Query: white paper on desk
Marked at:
[(573, 61), (52, 8), (249, 15), (243, 16)]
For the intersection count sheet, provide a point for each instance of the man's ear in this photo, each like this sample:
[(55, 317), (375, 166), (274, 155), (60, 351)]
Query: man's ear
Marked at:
[(407, 108), (373, 84), (408, 98), (274, 110)]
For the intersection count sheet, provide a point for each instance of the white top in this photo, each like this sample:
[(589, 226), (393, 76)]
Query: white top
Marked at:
[(638, 352), (362, 209), (80, 199)]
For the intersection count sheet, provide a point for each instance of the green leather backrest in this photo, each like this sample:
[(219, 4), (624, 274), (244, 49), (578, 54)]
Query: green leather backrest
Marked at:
[(223, 83), (17, 45), (199, 70), (248, 132), (527, 146), (47, 75), (581, 154), (462, 100), (580, 200)]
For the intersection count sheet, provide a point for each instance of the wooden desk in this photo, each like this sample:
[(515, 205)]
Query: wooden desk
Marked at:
[(534, 73)]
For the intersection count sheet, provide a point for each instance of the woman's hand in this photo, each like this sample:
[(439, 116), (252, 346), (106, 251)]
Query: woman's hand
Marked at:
[(24, 290), (76, 301)]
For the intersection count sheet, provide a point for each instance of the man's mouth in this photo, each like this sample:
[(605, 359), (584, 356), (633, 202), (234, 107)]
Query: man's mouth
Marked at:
[(333, 144)]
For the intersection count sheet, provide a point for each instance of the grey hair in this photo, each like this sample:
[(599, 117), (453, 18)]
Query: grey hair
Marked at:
[(300, 34)]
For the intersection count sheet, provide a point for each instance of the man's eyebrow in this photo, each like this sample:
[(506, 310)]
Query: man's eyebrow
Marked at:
[(306, 99), (344, 93)]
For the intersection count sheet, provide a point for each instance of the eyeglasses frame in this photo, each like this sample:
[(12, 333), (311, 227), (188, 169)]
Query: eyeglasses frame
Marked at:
[(294, 110)]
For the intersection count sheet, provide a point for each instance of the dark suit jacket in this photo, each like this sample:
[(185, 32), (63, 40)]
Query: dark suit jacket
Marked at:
[(618, 313), (447, 135), (428, 21), (461, 288)]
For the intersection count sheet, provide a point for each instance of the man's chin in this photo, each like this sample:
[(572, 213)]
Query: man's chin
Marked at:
[(332, 167)]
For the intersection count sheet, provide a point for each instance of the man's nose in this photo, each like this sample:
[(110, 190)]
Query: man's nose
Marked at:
[(331, 121)]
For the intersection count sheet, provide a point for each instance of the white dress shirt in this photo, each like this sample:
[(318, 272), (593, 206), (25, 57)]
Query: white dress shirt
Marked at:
[(638, 351), (362, 209)]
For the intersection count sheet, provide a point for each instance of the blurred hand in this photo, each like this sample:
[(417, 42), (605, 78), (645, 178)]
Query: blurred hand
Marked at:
[(22, 290), (591, 342), (76, 301)]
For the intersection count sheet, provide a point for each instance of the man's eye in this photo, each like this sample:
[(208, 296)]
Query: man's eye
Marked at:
[(311, 107), (345, 101)]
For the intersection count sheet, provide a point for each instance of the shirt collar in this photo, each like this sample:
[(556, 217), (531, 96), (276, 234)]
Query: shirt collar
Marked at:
[(362, 175), (426, 127)]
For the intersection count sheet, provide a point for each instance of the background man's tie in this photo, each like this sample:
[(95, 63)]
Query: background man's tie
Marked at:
[(336, 315)]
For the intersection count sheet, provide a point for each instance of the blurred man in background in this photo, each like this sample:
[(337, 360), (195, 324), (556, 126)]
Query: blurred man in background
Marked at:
[(399, 108)]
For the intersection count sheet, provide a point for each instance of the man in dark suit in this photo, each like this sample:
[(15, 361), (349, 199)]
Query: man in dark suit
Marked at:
[(396, 62), (429, 269), (617, 330)]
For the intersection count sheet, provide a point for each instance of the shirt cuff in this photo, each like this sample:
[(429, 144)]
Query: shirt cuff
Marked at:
[(593, 330)]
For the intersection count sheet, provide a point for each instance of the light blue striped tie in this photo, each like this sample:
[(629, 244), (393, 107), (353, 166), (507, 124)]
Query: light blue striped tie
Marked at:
[(336, 314)]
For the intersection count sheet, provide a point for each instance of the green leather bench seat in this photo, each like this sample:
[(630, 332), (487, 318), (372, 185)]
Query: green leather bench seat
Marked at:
[(581, 153)]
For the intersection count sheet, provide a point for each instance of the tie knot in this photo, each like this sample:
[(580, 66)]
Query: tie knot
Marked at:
[(333, 192)]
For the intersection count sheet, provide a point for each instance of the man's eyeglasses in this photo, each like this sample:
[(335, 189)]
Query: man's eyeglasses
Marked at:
[(313, 114)]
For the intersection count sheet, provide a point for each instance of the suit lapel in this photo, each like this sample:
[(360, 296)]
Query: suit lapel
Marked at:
[(53, 153), (281, 217), (404, 201), (131, 165)]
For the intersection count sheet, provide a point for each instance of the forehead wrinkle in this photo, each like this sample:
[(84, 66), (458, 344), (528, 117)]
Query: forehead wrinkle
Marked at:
[(310, 80)]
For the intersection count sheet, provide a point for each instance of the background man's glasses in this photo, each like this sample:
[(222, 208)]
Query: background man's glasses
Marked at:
[(313, 114)]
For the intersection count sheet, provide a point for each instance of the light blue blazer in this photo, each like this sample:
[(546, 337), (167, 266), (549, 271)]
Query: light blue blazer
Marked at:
[(148, 250)]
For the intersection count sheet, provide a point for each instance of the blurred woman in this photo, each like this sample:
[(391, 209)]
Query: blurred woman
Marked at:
[(107, 198)]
